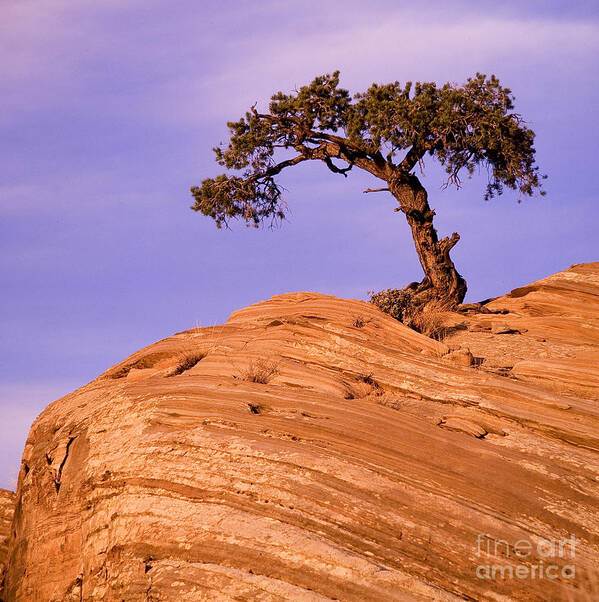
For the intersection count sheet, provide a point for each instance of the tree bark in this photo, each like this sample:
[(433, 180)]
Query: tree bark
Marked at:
[(442, 282)]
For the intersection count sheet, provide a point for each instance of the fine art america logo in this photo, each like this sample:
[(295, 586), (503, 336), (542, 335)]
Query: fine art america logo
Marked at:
[(525, 559)]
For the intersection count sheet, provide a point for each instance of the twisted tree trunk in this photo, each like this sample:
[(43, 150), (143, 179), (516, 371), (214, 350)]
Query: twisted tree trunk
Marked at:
[(442, 282)]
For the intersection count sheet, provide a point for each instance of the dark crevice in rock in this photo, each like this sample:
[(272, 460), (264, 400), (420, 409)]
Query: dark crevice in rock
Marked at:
[(148, 361), (187, 362), (58, 478)]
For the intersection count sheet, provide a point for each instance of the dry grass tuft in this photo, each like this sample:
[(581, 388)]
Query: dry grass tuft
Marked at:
[(360, 321), (186, 361), (260, 371), (362, 386), (369, 380), (429, 321)]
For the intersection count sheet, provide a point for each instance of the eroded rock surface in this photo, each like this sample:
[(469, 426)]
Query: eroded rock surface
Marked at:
[(7, 506), (313, 448), (547, 333)]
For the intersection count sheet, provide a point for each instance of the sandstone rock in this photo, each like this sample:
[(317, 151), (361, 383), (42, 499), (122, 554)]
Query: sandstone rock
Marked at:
[(554, 332), (563, 375), (7, 506), (460, 357), (456, 423), (478, 327), (569, 293), (501, 328), (367, 471)]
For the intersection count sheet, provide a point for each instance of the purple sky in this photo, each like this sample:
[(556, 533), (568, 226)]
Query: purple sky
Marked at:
[(108, 114)]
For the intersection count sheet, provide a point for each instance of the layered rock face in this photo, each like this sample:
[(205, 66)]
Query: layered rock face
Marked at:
[(7, 505), (313, 448)]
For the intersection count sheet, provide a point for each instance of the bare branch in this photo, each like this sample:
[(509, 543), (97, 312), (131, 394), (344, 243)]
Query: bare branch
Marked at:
[(446, 244), (376, 190)]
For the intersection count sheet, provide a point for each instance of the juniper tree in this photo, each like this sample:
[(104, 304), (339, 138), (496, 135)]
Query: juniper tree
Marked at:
[(387, 131)]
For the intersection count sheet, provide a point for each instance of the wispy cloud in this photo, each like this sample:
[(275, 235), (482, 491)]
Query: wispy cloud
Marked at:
[(186, 72), (405, 47)]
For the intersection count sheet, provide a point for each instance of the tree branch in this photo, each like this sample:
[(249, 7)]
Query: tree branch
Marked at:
[(275, 169), (411, 159), (337, 146), (375, 190), (446, 244), (335, 169)]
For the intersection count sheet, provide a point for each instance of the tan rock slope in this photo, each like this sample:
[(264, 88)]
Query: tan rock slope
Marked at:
[(313, 448), (7, 505)]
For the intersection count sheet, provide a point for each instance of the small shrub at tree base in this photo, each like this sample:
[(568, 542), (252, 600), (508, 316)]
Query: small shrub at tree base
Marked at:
[(393, 301), (399, 304)]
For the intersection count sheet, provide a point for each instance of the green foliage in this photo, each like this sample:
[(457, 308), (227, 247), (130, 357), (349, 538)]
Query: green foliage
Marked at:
[(225, 197), (387, 130), (321, 106), (461, 126)]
